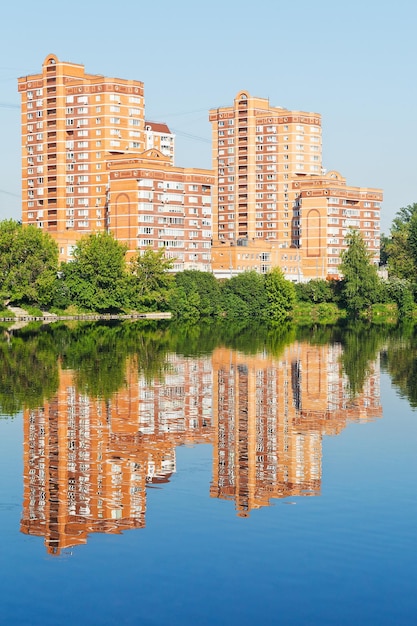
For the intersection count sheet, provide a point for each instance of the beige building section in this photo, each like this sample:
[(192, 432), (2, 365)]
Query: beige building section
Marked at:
[(72, 123), (325, 209), (273, 203), (258, 149), (159, 136), (152, 204), (267, 202)]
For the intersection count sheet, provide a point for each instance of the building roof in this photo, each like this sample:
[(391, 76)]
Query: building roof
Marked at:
[(157, 127)]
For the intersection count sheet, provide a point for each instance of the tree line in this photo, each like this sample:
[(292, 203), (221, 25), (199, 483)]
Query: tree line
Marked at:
[(100, 279)]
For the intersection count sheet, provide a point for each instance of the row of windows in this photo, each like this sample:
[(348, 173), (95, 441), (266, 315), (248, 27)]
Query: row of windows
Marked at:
[(112, 97)]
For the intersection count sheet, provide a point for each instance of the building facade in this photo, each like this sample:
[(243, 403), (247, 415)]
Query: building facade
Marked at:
[(72, 124), (153, 204), (267, 210), (160, 137), (91, 162), (325, 209), (257, 151)]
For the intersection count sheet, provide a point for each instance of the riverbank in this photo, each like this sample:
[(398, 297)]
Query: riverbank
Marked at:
[(21, 317)]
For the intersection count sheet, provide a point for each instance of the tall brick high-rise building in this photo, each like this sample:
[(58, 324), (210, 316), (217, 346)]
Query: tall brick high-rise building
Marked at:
[(267, 207), (71, 123), (267, 202)]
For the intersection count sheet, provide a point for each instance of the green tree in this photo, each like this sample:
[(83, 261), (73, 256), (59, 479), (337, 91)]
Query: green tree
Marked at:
[(412, 240), (317, 290), (245, 296), (400, 291), (360, 283), (384, 250), (400, 250), (403, 216), (184, 305), (203, 288), (400, 261), (97, 278), (150, 280), (28, 264), (280, 296)]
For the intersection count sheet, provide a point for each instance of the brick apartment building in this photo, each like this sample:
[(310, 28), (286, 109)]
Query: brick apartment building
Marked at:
[(91, 162)]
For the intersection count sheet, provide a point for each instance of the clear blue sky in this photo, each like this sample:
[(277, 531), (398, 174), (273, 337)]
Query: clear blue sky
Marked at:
[(353, 62)]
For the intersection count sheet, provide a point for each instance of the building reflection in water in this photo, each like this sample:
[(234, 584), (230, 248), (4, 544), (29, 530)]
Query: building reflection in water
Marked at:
[(270, 416), (87, 462)]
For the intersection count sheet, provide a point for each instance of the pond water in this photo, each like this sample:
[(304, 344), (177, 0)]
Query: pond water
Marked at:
[(151, 475)]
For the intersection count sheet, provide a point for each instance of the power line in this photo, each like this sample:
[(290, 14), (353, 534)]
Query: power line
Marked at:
[(192, 137), (162, 115), (9, 193), (6, 105)]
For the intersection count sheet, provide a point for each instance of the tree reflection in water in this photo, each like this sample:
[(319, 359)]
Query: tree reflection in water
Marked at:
[(106, 405)]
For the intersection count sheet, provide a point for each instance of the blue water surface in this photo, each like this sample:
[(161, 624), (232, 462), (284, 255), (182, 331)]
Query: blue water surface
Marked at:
[(347, 556)]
